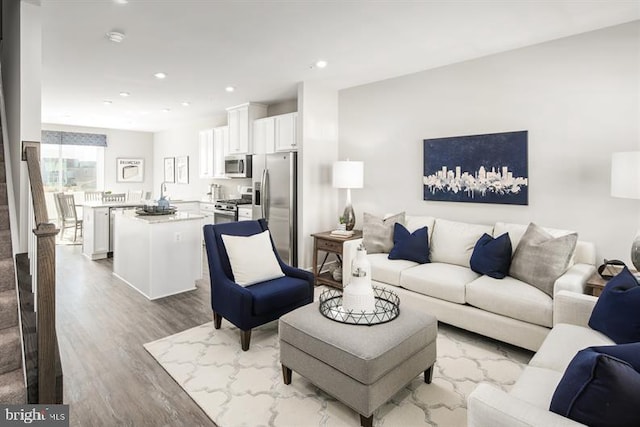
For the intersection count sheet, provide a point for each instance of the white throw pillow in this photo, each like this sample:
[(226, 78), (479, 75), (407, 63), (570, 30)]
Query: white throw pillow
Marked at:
[(252, 259)]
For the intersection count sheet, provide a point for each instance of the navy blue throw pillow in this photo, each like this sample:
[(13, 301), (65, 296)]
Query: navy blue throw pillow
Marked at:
[(617, 312), (492, 256), (410, 246), (599, 389)]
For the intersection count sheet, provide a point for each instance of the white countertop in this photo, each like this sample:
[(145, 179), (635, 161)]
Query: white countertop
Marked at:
[(155, 219), (98, 204)]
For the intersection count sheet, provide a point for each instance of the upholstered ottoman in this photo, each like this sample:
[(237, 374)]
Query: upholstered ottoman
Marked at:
[(362, 366)]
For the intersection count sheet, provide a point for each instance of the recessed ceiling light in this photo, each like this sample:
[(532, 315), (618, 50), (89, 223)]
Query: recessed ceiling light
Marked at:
[(229, 88), (115, 36), (124, 94), (185, 104), (160, 75), (107, 102), (321, 63), (166, 110), (121, 1)]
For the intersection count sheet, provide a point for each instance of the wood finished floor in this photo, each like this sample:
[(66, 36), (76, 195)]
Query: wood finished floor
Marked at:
[(109, 378)]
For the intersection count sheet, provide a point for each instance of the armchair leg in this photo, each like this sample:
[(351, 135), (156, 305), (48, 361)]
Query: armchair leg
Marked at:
[(217, 320), (245, 338)]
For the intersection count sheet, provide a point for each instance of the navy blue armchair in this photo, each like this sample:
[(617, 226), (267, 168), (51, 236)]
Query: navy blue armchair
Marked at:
[(254, 305)]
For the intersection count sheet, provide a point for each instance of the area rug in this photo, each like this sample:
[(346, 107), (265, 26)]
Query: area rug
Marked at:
[(236, 388)]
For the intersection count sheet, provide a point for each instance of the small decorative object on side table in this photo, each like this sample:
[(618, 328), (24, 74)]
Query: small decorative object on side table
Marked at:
[(329, 243), (596, 284)]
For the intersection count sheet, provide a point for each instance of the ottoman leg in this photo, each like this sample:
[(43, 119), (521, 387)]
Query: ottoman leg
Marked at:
[(366, 421), (286, 375), (428, 375)]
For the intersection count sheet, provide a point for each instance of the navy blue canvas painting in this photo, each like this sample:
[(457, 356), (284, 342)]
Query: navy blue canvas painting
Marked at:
[(489, 168)]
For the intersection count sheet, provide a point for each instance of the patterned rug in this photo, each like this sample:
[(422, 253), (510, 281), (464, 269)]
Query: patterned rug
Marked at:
[(236, 388)]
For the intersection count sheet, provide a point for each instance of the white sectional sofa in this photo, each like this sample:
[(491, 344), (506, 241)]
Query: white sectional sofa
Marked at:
[(527, 404), (505, 309)]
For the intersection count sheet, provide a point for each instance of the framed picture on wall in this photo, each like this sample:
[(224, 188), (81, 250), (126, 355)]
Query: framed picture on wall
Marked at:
[(182, 170), (489, 168), (169, 169), (129, 170)]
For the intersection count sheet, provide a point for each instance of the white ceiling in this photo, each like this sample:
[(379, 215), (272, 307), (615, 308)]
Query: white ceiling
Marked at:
[(264, 48)]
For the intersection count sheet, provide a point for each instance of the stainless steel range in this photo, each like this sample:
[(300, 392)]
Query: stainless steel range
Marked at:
[(227, 210)]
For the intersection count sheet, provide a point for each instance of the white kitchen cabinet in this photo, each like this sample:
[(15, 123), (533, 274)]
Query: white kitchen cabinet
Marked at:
[(285, 131), (245, 213), (240, 122), (275, 134), (220, 149), (206, 152), (95, 242), (264, 136)]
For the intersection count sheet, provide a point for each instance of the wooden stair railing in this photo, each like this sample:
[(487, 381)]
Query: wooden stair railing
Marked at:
[(45, 233)]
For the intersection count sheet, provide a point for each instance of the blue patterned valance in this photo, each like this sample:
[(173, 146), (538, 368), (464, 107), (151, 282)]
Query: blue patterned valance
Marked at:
[(73, 138)]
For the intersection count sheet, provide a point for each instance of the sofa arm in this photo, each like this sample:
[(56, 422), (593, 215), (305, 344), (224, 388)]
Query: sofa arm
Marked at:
[(349, 248), (574, 279), (488, 406), (573, 308)]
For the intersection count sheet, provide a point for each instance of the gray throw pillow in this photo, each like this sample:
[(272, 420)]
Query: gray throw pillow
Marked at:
[(377, 233), (541, 258)]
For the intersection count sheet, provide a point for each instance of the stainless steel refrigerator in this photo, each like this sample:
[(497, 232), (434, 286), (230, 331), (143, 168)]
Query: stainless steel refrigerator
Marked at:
[(275, 198)]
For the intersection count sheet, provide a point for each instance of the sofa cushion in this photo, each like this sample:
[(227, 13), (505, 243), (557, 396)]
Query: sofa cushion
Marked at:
[(413, 222), (377, 233), (599, 390), (438, 280), (616, 312), (541, 258), (492, 256), (512, 298), (563, 342), (453, 242), (388, 271), (410, 246), (536, 386)]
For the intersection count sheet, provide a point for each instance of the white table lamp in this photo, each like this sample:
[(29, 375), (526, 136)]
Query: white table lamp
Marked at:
[(625, 183), (348, 174)]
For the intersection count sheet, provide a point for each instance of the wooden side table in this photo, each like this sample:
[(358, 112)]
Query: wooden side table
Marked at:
[(329, 244), (596, 284)]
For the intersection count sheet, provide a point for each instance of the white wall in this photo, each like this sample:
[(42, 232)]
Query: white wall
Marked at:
[(22, 75), (183, 141), (578, 98), (120, 143), (317, 202)]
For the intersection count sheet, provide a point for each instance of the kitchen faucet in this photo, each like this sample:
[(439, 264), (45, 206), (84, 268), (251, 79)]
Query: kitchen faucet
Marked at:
[(162, 189)]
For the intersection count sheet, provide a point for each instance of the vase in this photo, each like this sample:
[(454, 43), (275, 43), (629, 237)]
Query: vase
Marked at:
[(358, 294)]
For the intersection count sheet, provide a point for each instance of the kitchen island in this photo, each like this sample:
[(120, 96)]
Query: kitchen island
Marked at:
[(158, 255)]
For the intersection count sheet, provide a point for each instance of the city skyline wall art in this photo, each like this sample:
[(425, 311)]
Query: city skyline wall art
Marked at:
[(489, 168)]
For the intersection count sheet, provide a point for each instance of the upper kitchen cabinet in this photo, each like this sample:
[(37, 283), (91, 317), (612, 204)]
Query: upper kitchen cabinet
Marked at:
[(264, 136), (206, 152), (285, 127), (220, 149), (240, 121), (275, 134), (213, 145)]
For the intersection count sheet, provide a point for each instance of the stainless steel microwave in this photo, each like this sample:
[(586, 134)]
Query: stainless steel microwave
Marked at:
[(237, 166)]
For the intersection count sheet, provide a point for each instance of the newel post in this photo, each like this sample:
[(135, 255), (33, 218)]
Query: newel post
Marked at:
[(46, 315)]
